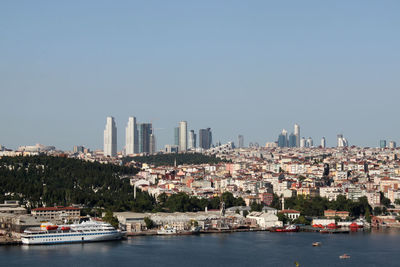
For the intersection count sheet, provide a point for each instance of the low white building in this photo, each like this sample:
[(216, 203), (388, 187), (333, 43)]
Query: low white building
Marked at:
[(323, 222), (265, 220)]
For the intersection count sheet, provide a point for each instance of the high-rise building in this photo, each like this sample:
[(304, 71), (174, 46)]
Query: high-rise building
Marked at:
[(176, 136), (191, 140), (392, 144), (131, 137), (292, 140), (283, 139), (323, 142), (341, 141), (302, 142), (309, 142), (145, 131), (77, 149), (240, 141), (382, 143), (205, 138), (153, 148), (297, 134), (183, 136), (110, 138)]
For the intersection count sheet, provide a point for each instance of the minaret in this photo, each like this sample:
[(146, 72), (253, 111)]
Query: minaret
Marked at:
[(283, 203)]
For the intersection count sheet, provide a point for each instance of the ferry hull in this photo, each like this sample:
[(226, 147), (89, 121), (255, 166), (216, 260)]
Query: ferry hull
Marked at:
[(61, 238)]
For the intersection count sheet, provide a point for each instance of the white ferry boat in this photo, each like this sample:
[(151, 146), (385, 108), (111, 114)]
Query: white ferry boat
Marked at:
[(88, 231), (166, 231)]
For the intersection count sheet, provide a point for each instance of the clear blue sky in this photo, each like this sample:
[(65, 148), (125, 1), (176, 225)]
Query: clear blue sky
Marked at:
[(239, 67)]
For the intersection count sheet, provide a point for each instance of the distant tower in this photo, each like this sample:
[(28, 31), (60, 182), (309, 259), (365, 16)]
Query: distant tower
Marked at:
[(302, 142), (323, 142), (153, 147), (131, 137), (240, 141), (183, 136), (110, 138), (341, 141), (205, 138), (283, 139), (145, 131), (176, 136), (382, 143), (309, 142), (283, 203), (392, 144), (297, 134), (292, 140), (192, 140)]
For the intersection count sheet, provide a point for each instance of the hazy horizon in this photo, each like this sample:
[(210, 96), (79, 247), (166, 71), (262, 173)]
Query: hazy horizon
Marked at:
[(250, 68)]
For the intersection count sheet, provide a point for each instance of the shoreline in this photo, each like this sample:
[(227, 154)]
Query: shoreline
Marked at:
[(305, 229)]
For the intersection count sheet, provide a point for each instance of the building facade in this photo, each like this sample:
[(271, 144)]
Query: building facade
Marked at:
[(183, 136), (110, 138), (131, 137), (205, 138), (145, 131)]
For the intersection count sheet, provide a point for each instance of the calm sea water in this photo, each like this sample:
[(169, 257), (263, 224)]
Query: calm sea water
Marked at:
[(236, 249)]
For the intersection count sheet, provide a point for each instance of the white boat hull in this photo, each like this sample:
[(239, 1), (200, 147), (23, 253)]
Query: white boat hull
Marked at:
[(71, 237)]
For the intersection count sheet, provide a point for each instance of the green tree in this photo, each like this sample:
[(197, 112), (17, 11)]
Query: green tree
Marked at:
[(302, 220), (377, 211), (282, 217), (255, 206), (109, 217), (149, 223)]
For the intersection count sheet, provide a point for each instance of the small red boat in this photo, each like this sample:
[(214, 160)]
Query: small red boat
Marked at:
[(355, 225), (289, 228), (65, 228)]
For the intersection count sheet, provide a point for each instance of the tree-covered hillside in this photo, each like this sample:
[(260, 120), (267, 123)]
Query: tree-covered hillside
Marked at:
[(180, 158), (44, 180)]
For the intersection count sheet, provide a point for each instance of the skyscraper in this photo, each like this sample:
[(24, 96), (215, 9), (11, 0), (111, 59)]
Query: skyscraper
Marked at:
[(297, 134), (382, 143), (302, 142), (392, 144), (192, 140), (283, 139), (341, 141), (110, 138), (292, 140), (205, 138), (176, 136), (153, 148), (241, 141), (145, 131), (131, 137), (323, 142), (183, 136), (309, 142)]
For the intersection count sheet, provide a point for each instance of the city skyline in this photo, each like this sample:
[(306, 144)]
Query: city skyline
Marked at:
[(149, 144), (64, 69)]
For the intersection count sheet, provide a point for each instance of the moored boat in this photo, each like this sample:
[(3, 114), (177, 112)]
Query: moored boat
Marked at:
[(167, 231), (88, 231), (344, 256), (316, 244), (289, 228)]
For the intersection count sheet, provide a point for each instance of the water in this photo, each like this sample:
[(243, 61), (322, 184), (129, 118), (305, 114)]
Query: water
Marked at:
[(236, 249)]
